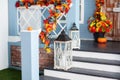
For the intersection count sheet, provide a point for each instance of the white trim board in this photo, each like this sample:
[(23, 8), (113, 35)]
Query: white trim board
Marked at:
[(14, 38)]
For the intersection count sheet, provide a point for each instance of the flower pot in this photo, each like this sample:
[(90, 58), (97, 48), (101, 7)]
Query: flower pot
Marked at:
[(98, 35), (101, 34)]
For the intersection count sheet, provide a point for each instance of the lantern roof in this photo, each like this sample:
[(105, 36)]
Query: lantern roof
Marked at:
[(74, 27), (63, 37)]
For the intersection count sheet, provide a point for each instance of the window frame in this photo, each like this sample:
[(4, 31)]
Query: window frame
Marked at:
[(81, 10)]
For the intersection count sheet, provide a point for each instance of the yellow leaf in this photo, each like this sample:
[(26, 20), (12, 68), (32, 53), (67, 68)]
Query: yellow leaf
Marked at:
[(48, 50)]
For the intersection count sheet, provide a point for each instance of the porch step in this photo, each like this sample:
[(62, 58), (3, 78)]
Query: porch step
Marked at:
[(96, 60), (82, 74), (97, 55), (90, 66), (95, 73), (50, 78), (96, 66)]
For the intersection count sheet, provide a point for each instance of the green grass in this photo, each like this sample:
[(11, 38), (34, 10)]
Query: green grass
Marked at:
[(10, 74)]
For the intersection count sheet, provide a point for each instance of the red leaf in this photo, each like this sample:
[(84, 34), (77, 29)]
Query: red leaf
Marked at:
[(45, 21), (17, 4)]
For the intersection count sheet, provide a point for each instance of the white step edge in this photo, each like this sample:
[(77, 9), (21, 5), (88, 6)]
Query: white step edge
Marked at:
[(72, 76), (95, 66), (98, 55)]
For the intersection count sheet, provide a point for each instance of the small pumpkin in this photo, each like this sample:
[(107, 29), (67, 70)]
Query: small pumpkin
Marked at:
[(102, 40), (30, 28)]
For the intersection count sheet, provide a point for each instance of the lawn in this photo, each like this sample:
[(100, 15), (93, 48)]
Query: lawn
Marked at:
[(10, 74)]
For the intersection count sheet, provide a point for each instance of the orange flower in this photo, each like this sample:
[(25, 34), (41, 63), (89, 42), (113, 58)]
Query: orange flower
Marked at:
[(49, 28), (47, 42), (42, 36), (98, 5)]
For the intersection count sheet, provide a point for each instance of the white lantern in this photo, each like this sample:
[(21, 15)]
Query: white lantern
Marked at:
[(63, 52), (74, 35)]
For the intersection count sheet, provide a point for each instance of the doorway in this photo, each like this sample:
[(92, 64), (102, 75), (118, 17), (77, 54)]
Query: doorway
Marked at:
[(114, 35)]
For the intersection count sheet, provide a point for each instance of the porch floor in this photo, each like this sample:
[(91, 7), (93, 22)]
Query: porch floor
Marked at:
[(109, 47)]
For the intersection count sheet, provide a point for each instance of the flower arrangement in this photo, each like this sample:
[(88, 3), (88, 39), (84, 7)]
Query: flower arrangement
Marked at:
[(50, 23), (99, 23)]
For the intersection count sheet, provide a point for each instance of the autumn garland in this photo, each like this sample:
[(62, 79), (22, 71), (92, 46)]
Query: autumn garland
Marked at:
[(60, 6)]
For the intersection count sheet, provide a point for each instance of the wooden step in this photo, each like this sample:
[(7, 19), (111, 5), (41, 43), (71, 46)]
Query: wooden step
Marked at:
[(96, 55), (82, 74), (96, 60), (50, 78), (96, 66), (95, 73), (90, 66)]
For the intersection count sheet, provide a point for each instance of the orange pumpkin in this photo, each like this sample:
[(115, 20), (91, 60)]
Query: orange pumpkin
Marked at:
[(29, 28), (102, 40), (31, 1)]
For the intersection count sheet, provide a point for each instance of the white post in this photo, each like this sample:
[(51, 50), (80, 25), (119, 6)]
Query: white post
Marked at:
[(30, 55), (3, 34)]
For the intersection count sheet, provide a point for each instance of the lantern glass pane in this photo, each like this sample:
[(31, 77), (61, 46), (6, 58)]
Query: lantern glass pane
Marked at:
[(78, 43), (69, 46), (63, 46), (57, 45), (75, 35)]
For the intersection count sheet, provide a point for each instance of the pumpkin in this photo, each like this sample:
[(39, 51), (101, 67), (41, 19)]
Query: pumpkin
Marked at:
[(102, 40), (31, 1), (29, 28)]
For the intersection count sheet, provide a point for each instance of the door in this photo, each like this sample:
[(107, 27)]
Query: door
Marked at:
[(114, 17)]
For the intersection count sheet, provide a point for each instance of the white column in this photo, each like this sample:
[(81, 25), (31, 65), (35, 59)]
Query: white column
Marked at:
[(3, 34), (30, 55)]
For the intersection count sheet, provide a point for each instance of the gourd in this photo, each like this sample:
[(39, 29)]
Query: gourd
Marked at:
[(102, 40)]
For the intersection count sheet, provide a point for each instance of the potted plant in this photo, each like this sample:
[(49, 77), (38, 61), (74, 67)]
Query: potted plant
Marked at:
[(99, 24)]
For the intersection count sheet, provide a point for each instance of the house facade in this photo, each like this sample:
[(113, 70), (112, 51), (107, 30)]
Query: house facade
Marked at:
[(96, 64)]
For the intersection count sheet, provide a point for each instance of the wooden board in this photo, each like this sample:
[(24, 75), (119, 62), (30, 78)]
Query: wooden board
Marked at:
[(114, 17)]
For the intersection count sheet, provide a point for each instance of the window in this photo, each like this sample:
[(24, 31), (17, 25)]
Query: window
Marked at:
[(81, 12)]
